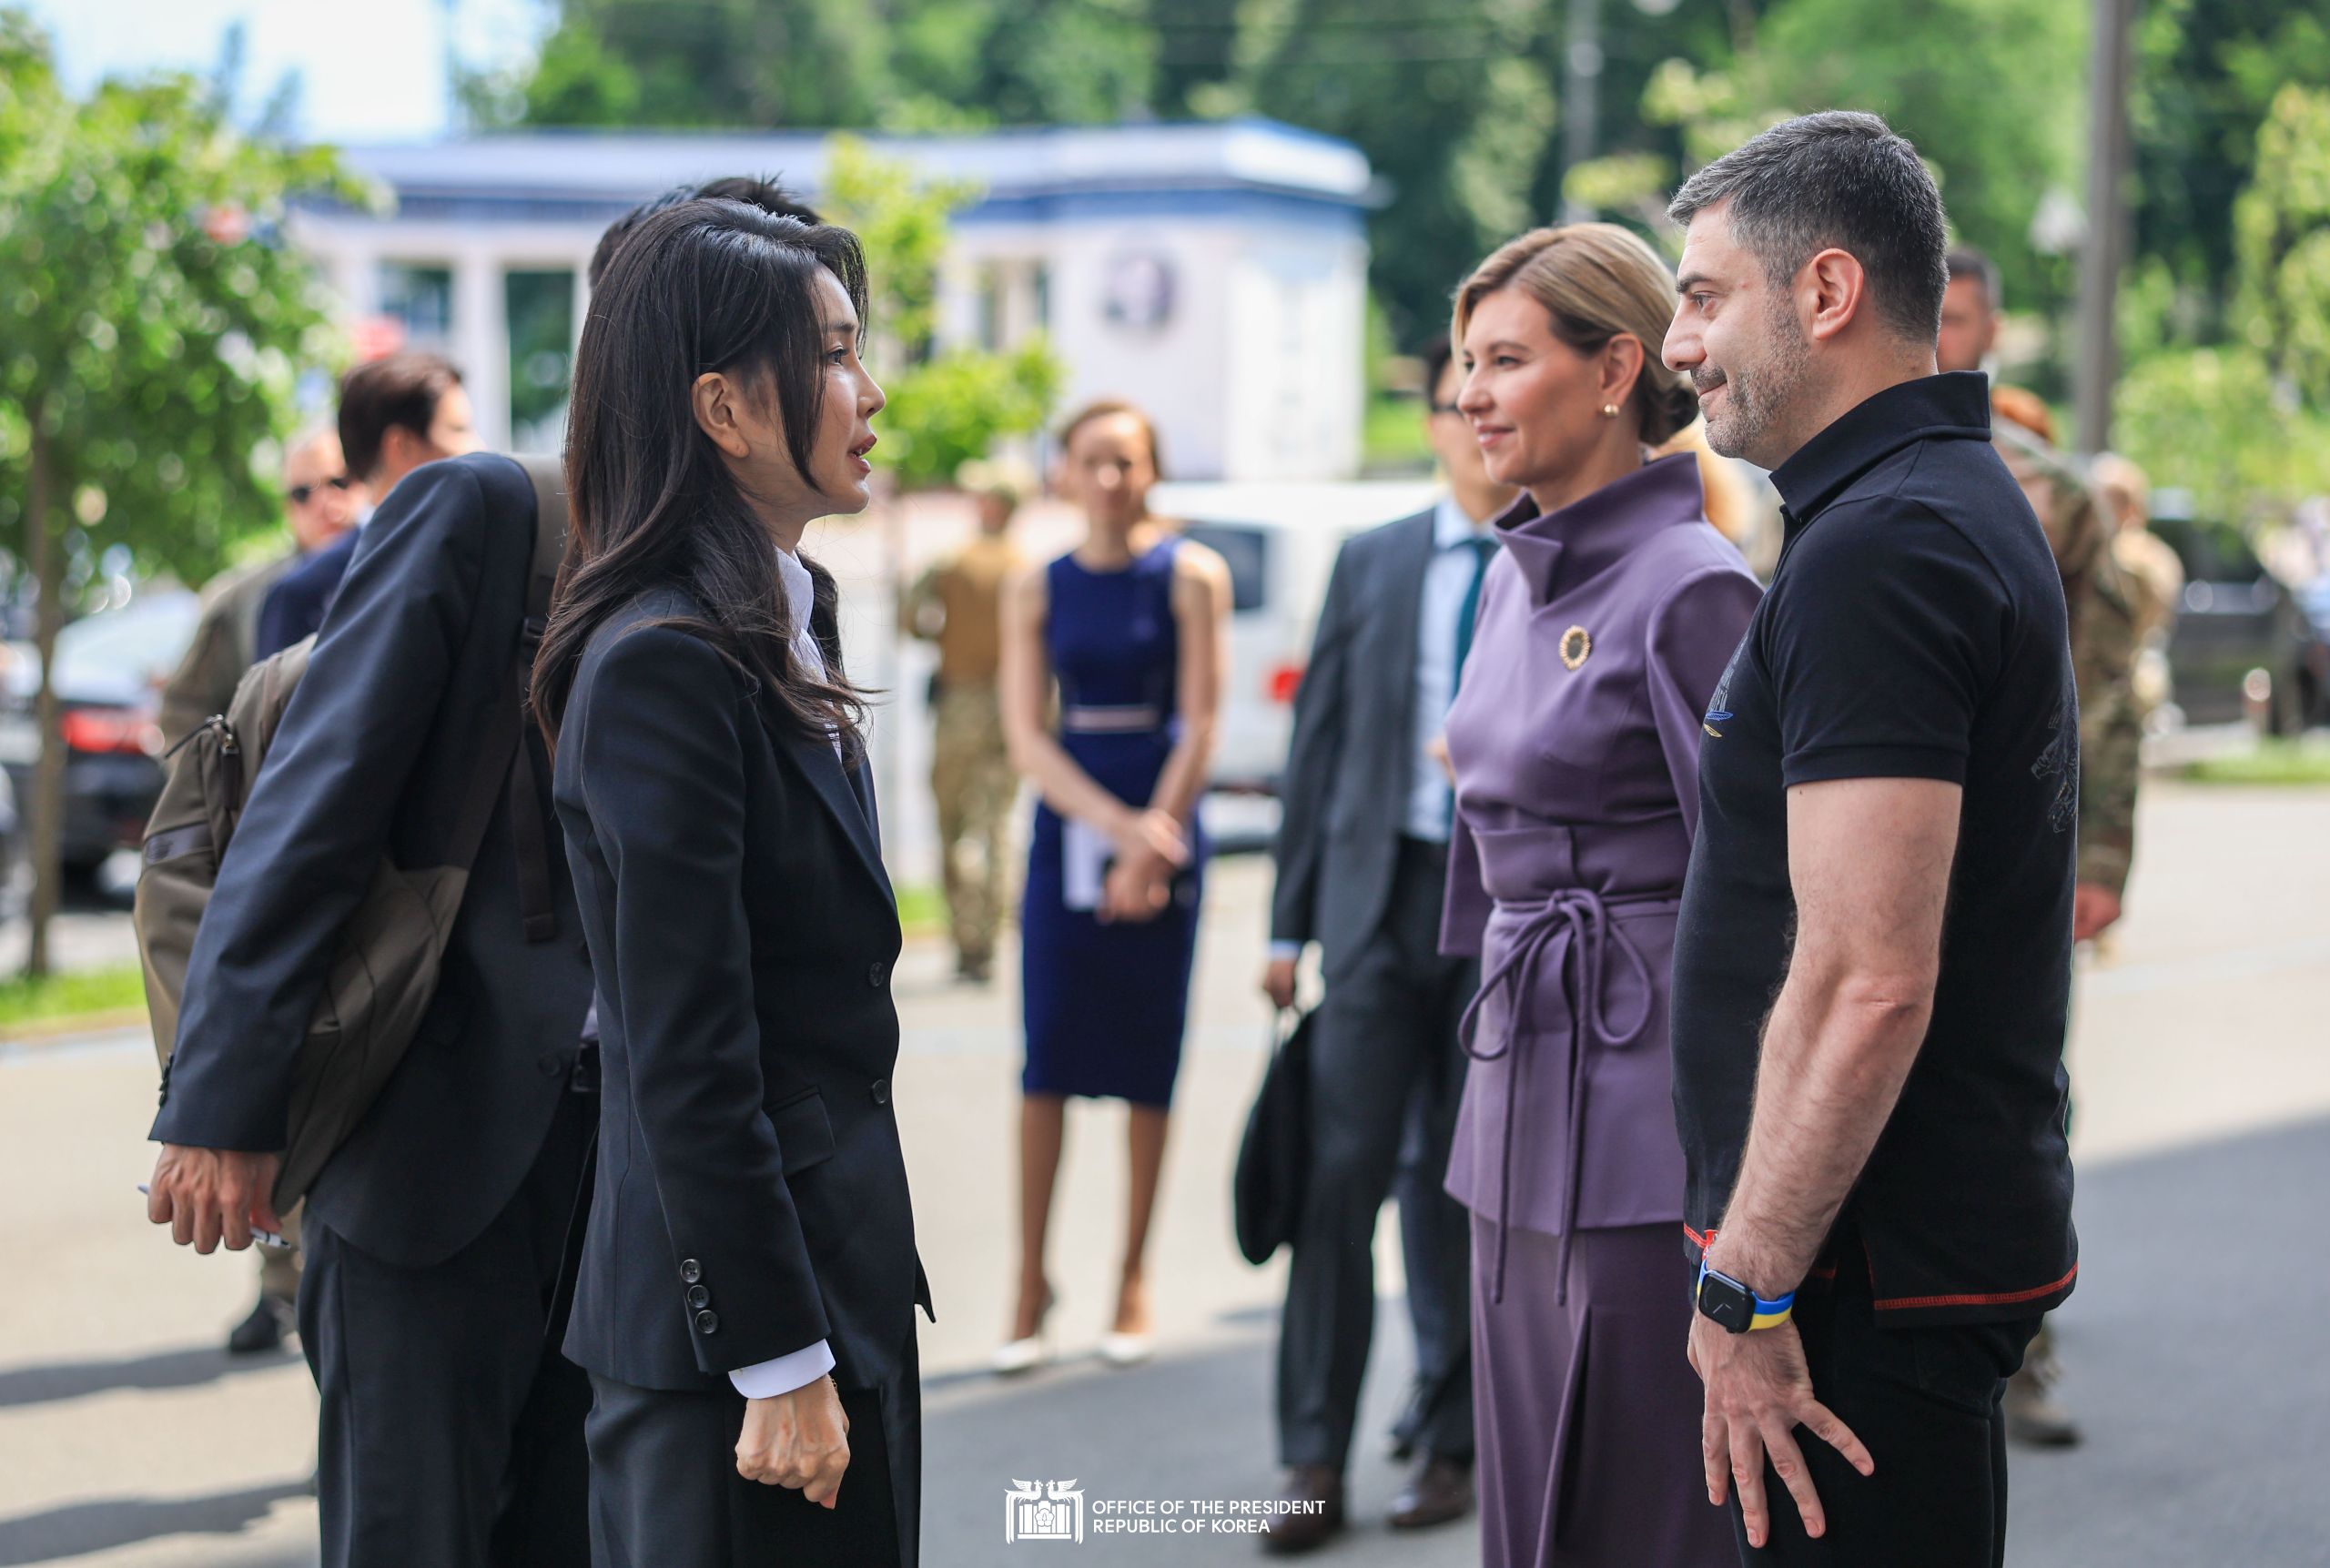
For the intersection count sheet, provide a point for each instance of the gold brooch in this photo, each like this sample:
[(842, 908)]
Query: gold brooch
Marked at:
[(1576, 643)]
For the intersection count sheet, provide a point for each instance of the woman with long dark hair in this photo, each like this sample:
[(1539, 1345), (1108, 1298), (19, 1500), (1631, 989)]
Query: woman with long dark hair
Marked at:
[(747, 1285)]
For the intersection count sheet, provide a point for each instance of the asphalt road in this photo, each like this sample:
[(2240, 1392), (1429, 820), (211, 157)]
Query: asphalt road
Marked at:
[(128, 1439)]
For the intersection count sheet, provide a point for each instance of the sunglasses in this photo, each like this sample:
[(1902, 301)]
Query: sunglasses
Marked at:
[(298, 493)]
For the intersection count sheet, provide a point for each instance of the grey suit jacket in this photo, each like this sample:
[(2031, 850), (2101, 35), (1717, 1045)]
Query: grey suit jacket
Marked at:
[(1349, 769)]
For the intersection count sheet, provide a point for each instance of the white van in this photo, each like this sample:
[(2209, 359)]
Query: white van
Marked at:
[(1279, 539)]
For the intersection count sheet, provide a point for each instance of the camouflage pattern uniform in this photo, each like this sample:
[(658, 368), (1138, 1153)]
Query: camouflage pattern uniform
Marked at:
[(970, 775), (2103, 652), (2110, 731), (958, 605)]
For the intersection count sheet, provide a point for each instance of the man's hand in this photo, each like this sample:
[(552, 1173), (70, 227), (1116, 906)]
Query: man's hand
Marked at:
[(1758, 1392), (799, 1440), (1278, 982), (205, 1195), (2095, 909)]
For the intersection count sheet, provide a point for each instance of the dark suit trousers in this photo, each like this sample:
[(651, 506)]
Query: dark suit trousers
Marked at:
[(1385, 1070), (665, 1492), (451, 1429)]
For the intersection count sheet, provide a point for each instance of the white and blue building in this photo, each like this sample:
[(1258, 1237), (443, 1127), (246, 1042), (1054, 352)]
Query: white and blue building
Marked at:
[(1214, 273)]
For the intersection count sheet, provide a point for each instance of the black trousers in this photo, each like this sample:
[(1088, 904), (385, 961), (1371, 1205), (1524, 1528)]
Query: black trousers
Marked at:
[(1386, 1077), (1924, 1401), (451, 1428), (665, 1492)]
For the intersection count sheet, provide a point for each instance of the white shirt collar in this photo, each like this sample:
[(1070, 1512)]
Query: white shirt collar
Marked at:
[(1453, 526), (800, 593)]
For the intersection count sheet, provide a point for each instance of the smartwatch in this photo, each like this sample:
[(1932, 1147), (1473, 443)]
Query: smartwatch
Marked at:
[(1735, 1309)]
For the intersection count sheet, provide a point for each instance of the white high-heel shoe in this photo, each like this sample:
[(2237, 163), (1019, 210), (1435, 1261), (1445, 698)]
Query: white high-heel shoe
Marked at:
[(1127, 1349), (1014, 1356)]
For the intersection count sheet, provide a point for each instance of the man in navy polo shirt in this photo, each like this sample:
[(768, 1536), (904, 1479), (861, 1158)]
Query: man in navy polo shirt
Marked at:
[(1873, 959)]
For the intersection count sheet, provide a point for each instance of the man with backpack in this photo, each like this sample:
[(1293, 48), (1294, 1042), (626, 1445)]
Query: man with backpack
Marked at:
[(451, 1429)]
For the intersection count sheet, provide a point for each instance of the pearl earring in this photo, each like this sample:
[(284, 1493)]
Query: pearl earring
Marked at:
[(1609, 411)]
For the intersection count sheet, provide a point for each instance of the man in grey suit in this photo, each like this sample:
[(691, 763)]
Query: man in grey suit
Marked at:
[(1362, 865)]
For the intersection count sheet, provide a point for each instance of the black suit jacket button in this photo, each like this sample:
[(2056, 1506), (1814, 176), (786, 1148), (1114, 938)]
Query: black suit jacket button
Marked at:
[(691, 1271), (699, 1296), (876, 974), (881, 1091), (551, 1064), (707, 1322)]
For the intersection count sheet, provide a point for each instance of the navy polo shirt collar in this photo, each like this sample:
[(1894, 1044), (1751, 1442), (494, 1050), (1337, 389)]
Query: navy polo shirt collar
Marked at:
[(1956, 404)]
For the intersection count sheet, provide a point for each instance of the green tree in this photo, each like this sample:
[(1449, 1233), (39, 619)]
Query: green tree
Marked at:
[(2245, 425), (947, 405), (913, 65), (2207, 73), (156, 320)]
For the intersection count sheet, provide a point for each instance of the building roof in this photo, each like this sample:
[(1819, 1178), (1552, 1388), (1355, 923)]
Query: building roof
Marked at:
[(574, 174)]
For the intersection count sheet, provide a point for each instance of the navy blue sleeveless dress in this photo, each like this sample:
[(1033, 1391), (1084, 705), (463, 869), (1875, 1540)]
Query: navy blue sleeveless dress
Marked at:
[(1106, 1004)]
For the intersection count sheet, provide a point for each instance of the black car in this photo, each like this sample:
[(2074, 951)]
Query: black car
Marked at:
[(110, 667), (2234, 617)]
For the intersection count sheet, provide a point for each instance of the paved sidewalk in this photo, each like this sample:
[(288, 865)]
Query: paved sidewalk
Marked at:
[(127, 1441)]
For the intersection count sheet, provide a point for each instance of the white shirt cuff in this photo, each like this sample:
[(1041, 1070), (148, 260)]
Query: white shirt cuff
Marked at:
[(766, 1379), (1285, 950)]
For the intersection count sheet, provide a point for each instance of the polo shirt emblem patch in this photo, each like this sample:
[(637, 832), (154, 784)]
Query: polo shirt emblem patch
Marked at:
[(1717, 713)]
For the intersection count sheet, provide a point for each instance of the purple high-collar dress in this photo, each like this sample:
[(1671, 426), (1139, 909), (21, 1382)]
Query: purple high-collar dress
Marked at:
[(1604, 630)]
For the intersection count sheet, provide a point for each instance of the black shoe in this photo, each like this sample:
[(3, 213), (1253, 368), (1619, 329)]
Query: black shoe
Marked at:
[(269, 1324), (1439, 1492), (1314, 1494)]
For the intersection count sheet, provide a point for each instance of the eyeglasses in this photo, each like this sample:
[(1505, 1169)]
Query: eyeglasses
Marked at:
[(298, 493)]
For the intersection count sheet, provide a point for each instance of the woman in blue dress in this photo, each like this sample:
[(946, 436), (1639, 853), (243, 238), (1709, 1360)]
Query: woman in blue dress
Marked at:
[(1129, 628)]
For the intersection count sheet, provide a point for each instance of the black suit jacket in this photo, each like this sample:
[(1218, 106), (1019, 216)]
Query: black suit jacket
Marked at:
[(374, 754), (1350, 764), (294, 608), (752, 1195)]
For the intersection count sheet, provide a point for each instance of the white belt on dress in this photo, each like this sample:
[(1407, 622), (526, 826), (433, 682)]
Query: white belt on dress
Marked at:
[(1111, 718)]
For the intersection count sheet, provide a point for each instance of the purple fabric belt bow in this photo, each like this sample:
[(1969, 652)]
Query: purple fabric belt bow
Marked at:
[(1584, 917)]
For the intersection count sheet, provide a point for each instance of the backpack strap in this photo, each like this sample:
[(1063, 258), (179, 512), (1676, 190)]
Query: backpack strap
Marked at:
[(526, 823), (506, 760)]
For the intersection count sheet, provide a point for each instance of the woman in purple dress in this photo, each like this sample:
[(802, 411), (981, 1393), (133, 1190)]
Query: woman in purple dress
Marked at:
[(1606, 624)]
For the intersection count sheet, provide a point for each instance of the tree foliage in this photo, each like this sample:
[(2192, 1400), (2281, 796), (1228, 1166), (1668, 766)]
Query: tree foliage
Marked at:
[(947, 408), (2245, 425), (1457, 105), (156, 321)]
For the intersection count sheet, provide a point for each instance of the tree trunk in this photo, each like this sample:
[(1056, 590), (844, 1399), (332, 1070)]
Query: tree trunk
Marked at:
[(45, 811)]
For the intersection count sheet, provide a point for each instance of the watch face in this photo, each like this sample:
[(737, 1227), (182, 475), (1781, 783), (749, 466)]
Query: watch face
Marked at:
[(1726, 1301)]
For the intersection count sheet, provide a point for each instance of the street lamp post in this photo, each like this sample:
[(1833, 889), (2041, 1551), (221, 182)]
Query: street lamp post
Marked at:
[(2108, 156)]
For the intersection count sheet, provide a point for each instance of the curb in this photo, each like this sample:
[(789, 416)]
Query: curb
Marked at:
[(54, 1031)]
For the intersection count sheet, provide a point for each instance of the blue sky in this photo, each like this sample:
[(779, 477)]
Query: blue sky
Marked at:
[(372, 70)]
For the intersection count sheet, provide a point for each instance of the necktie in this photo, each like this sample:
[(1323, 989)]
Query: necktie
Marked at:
[(1482, 548)]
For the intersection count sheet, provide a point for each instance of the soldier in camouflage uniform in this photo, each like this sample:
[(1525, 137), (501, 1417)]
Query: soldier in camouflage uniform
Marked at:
[(958, 605), (2102, 623)]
